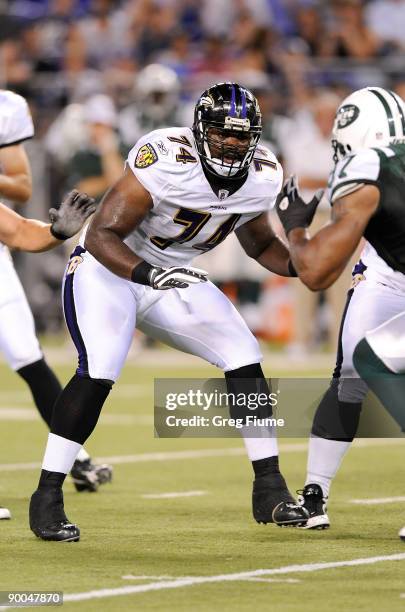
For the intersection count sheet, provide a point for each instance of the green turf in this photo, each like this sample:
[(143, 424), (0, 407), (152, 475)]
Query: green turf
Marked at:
[(125, 534)]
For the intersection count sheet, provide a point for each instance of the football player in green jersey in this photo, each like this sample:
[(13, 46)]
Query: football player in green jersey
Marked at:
[(366, 192)]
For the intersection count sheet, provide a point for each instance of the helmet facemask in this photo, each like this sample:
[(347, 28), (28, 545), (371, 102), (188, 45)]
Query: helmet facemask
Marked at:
[(340, 150), (225, 159), (228, 160)]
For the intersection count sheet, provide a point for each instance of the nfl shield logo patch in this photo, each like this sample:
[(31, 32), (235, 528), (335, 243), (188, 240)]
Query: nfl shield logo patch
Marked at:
[(146, 156), (222, 194)]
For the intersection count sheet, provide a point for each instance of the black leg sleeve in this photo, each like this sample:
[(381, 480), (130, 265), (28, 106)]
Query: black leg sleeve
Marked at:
[(78, 408), (244, 385), (44, 386), (336, 420)]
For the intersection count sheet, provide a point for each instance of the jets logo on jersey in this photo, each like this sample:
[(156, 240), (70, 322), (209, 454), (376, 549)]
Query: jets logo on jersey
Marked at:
[(146, 156), (347, 115)]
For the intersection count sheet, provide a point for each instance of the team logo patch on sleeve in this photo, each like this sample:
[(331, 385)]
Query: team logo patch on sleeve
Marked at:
[(146, 156)]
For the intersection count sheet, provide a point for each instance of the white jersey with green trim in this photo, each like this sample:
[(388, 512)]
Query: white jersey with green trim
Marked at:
[(15, 119), (187, 217), (352, 172)]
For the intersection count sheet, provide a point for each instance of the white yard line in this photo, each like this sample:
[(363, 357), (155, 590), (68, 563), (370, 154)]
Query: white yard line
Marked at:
[(174, 494), (142, 577), (14, 395), (185, 582), (165, 577), (126, 419), (365, 442), (142, 458), (155, 357), (19, 467), (378, 500), (287, 447), (289, 580), (130, 390), (20, 413)]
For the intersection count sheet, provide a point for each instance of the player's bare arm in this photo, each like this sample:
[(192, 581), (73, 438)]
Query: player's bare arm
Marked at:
[(15, 174), (35, 236), (260, 242), (320, 260), (122, 209), (24, 234)]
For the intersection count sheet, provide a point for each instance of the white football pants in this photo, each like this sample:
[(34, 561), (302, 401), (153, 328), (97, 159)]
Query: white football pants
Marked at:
[(388, 343), (375, 298), (18, 341), (102, 311)]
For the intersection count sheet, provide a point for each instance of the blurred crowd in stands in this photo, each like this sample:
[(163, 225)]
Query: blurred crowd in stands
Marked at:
[(100, 73)]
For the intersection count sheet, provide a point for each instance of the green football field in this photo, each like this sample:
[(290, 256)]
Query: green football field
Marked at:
[(174, 530)]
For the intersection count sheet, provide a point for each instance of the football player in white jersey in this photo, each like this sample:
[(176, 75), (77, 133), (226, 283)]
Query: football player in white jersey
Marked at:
[(183, 191), (18, 342), (366, 190), (379, 358)]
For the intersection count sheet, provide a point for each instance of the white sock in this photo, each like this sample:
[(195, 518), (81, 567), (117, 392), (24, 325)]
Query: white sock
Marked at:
[(324, 459), (260, 448), (60, 454), (82, 454)]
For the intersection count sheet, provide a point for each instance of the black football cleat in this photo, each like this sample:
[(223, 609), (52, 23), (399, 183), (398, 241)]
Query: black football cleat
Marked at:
[(5, 513), (88, 476), (273, 503), (48, 519), (402, 534), (312, 499)]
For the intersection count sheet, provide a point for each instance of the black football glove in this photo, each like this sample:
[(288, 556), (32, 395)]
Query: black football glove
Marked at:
[(167, 278), (292, 209), (72, 214)]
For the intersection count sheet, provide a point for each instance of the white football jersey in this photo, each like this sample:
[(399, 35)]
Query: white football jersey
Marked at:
[(15, 119), (187, 217)]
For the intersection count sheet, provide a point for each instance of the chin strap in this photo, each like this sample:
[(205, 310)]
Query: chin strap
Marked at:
[(215, 175), (217, 167)]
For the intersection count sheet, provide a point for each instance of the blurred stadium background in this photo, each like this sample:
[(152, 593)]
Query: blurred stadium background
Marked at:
[(100, 73), (97, 75)]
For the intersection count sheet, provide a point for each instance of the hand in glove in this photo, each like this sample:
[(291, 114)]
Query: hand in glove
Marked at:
[(292, 209), (74, 211), (167, 278)]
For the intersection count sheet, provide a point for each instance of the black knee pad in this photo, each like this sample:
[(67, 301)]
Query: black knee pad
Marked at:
[(336, 420)]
